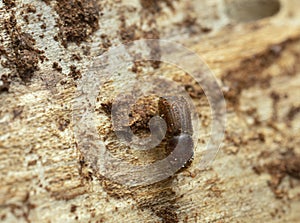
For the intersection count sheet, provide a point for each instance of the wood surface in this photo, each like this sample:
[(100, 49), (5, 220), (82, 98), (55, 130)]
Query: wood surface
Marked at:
[(45, 48)]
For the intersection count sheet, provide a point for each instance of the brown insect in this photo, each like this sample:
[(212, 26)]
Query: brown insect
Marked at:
[(175, 110)]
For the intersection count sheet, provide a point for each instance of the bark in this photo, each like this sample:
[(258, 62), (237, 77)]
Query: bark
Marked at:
[(47, 47)]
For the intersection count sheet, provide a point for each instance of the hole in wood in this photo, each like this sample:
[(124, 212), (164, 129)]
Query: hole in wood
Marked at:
[(247, 11)]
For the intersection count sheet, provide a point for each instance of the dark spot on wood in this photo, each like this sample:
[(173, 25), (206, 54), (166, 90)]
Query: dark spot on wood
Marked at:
[(3, 216), (106, 107), (167, 214), (9, 3), (63, 124), (294, 110), (44, 26), (155, 6), (74, 72), (21, 54), (249, 72), (32, 163), (4, 83), (30, 8), (17, 111), (161, 201), (280, 166), (56, 66), (73, 208), (78, 19), (76, 57)]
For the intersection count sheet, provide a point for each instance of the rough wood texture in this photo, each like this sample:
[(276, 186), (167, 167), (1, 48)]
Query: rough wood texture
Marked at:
[(46, 46)]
